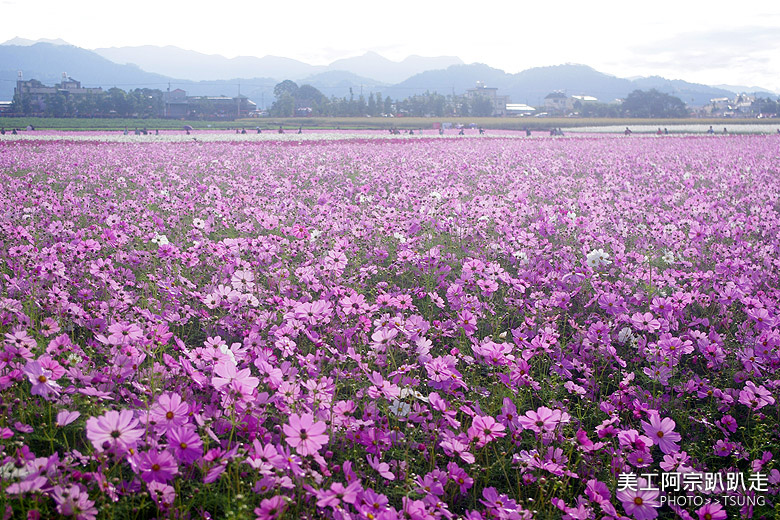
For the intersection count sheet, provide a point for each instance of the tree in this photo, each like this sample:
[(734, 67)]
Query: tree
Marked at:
[(287, 87), (653, 104), (481, 106)]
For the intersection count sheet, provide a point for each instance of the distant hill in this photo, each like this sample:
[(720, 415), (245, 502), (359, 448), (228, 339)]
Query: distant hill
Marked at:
[(742, 89), (455, 78), (196, 66), (256, 77), (372, 65), (26, 43), (691, 93), (180, 63), (337, 83), (47, 62)]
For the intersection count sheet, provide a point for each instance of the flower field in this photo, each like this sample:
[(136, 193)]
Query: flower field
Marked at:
[(478, 328)]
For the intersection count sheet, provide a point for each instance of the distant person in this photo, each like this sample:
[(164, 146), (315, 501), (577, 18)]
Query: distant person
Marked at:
[(188, 131), (157, 131), (481, 131), (411, 132), (300, 129), (259, 131), (2, 131), (725, 132), (461, 132), (627, 131), (666, 131), (281, 131), (659, 132), (14, 132), (243, 130), (528, 132), (710, 130), (441, 131)]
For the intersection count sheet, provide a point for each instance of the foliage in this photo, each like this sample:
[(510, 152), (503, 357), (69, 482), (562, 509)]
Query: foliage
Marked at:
[(652, 103)]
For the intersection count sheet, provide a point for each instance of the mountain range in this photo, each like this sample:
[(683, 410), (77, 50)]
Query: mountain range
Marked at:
[(204, 74)]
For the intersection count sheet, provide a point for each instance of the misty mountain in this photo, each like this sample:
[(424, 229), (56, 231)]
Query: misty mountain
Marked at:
[(195, 66), (256, 77), (192, 65), (372, 65), (742, 89), (532, 85), (47, 62), (456, 78), (690, 93), (338, 83), (26, 43)]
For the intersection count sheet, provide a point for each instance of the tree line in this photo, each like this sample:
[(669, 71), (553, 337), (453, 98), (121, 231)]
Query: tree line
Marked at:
[(305, 100), (115, 102)]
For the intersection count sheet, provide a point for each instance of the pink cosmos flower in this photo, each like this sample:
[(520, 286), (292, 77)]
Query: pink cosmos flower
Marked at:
[(640, 502), (74, 502), (305, 434), (271, 508), (543, 420), (169, 411), (755, 397), (155, 466), (65, 417), (185, 443), (485, 429), (662, 433), (383, 468), (115, 430), (226, 372), (162, 494), (712, 511), (41, 379)]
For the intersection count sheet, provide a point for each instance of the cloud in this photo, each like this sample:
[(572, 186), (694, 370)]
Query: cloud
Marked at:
[(718, 49)]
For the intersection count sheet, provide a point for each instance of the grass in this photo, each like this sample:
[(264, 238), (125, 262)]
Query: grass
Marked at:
[(352, 123)]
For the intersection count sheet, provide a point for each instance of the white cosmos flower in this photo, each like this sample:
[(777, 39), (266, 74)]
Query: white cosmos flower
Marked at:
[(160, 240), (597, 258)]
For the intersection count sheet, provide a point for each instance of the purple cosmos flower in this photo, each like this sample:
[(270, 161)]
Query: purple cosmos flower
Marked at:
[(305, 434), (117, 431)]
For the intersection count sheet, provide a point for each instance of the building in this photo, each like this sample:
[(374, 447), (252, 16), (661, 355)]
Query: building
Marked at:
[(556, 102), (515, 109), (175, 104), (491, 93), (36, 94), (178, 105)]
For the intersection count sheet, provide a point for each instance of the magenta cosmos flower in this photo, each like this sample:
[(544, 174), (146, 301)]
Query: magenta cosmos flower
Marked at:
[(41, 380), (543, 420), (156, 466), (116, 430), (662, 432), (169, 412), (712, 511), (305, 434), (485, 429), (640, 502)]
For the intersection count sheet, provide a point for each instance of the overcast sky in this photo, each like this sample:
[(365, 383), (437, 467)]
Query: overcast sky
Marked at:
[(712, 42)]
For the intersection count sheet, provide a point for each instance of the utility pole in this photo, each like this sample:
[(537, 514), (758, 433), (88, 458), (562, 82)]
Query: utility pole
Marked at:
[(238, 102)]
